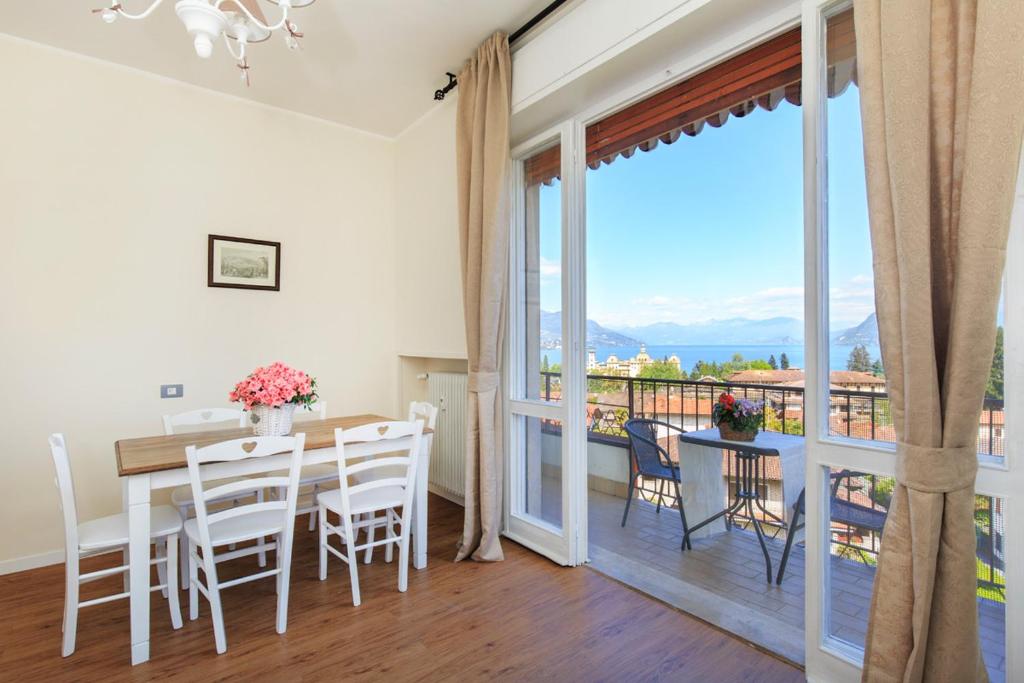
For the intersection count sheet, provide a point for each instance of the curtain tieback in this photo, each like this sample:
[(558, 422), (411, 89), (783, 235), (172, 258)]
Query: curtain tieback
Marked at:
[(936, 470), (479, 382)]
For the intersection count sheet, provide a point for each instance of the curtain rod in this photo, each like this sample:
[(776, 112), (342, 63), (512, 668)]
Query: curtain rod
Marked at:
[(516, 35)]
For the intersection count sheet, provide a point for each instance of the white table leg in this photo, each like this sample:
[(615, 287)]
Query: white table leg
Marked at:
[(138, 549), (419, 511), (125, 556)]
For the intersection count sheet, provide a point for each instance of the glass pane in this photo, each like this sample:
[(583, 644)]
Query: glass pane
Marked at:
[(859, 504), (541, 297), (540, 446), (859, 404)]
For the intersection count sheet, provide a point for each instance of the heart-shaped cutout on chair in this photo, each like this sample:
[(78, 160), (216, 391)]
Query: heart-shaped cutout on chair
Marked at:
[(249, 446), (382, 430), (206, 414)]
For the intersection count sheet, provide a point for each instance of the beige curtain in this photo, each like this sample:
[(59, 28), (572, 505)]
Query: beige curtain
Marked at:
[(482, 158), (942, 103)]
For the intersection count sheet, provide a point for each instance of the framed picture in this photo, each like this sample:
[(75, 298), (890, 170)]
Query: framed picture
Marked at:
[(243, 263)]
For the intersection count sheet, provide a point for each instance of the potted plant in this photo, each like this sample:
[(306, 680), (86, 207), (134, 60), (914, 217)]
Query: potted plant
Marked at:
[(737, 419), (270, 394)]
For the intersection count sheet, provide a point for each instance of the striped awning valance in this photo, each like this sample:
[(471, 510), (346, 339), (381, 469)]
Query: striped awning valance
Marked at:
[(764, 76)]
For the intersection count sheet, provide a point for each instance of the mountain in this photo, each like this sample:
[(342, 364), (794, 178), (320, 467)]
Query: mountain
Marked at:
[(780, 330), (866, 333), (551, 333)]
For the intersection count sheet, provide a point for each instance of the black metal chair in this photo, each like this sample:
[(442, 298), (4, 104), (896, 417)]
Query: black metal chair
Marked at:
[(650, 461), (842, 511)]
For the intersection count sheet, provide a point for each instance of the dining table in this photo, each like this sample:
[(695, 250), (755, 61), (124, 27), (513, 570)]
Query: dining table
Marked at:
[(158, 462), (700, 455)]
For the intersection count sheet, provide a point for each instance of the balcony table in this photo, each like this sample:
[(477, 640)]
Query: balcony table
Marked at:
[(747, 455), (158, 462)]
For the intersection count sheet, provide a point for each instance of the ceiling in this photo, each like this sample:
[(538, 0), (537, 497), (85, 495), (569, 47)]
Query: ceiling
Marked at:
[(370, 64)]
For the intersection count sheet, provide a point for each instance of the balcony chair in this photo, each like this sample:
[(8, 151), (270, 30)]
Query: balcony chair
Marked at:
[(105, 535), (649, 460), (842, 511), (245, 522)]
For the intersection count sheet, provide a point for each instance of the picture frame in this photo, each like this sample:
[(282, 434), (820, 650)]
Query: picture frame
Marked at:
[(243, 263)]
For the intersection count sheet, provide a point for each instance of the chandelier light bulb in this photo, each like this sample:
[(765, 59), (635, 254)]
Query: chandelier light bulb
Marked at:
[(204, 45), (109, 15), (291, 42)]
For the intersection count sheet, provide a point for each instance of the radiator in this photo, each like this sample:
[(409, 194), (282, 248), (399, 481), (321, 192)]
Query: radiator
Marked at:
[(447, 391)]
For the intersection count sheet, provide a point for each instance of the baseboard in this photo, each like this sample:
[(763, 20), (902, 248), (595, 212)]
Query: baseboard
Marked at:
[(21, 564), (447, 495)]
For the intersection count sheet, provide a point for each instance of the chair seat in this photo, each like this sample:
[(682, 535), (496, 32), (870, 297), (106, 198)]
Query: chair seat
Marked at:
[(365, 501), (182, 495), (242, 528), (660, 471), (856, 515), (107, 532)]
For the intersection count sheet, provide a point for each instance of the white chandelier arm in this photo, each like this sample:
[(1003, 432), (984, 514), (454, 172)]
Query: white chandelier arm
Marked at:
[(143, 15), (266, 27), (240, 55)]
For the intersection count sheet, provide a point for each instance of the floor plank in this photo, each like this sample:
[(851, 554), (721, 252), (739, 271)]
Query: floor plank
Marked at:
[(522, 619)]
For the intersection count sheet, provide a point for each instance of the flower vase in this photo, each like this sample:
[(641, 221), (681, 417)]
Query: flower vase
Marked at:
[(268, 421), (727, 432)]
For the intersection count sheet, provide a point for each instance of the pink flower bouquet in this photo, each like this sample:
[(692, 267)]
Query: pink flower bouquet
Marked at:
[(273, 386)]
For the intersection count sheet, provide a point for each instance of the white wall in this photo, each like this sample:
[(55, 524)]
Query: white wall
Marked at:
[(431, 322), (110, 181)]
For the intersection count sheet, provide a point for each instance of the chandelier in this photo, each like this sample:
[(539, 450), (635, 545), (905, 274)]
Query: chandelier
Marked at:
[(241, 22)]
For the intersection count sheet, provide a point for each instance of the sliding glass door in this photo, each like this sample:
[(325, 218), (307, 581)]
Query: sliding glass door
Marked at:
[(851, 455), (545, 358)]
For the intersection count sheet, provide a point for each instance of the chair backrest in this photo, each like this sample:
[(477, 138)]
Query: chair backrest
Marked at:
[(203, 417), (400, 441), (319, 409), (242, 449), (421, 410), (66, 489), (648, 455)]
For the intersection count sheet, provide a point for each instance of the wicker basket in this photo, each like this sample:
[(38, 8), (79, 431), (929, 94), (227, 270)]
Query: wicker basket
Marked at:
[(267, 421), (727, 432)]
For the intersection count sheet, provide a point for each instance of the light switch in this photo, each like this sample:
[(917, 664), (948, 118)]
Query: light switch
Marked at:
[(172, 390)]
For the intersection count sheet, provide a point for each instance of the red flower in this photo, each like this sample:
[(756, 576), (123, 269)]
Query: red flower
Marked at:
[(726, 400)]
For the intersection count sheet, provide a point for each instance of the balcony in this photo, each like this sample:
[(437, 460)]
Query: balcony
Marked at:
[(722, 579)]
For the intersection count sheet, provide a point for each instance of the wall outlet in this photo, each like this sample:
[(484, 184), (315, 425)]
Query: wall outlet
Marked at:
[(172, 390)]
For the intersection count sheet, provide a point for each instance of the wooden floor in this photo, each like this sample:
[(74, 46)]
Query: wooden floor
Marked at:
[(522, 619)]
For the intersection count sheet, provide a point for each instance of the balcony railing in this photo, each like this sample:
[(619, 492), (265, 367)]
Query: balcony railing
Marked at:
[(688, 403)]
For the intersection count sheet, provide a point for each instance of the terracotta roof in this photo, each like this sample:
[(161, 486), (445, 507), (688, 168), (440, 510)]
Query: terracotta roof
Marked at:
[(766, 376), (854, 377)]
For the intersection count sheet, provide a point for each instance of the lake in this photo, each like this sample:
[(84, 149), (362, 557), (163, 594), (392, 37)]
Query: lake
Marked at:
[(689, 355)]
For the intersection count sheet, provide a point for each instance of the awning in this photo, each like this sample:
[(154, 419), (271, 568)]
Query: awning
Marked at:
[(764, 76)]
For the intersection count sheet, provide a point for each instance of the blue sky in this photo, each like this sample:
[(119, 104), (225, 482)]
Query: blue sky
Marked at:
[(712, 226)]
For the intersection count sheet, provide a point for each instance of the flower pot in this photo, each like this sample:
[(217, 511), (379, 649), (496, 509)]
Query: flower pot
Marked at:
[(727, 432), (267, 421)]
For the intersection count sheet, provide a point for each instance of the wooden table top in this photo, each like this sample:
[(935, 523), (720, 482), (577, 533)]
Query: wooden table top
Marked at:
[(157, 453)]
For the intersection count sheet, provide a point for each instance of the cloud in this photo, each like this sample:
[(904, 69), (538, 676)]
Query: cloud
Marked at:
[(550, 270)]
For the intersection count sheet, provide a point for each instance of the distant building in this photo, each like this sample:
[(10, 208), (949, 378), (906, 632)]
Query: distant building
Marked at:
[(629, 367), (847, 380)]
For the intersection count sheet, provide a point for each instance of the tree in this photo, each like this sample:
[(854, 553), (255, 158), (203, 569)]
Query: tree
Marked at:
[(859, 360), (771, 362), (876, 368), (660, 369), (995, 375), (544, 366), (784, 362)]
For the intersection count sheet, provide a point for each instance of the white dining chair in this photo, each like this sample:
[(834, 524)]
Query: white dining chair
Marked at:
[(181, 497), (401, 442), (418, 410), (244, 522), (105, 535)]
